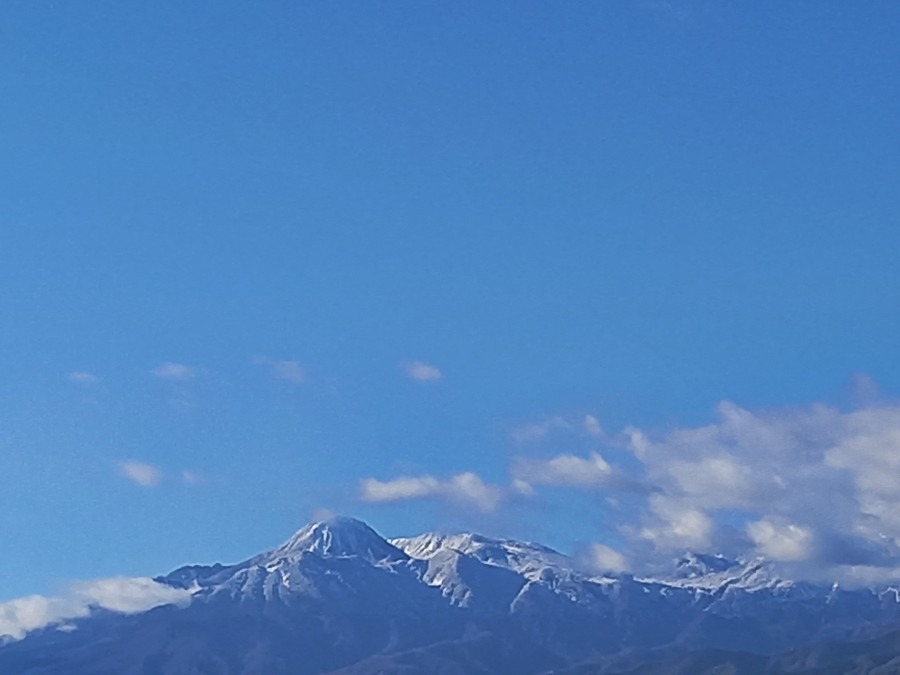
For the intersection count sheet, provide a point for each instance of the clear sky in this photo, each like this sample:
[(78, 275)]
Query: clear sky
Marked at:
[(484, 265)]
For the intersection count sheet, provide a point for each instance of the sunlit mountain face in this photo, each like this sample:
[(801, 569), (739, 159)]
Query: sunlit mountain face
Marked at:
[(336, 597)]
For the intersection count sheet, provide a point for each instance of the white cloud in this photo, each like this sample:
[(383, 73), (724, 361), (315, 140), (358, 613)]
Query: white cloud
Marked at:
[(421, 371), (127, 595), (399, 489), (676, 526), (786, 542), (601, 558), (585, 472), (83, 377), (173, 371), (815, 486), (717, 482), (143, 474), (467, 488), (868, 451)]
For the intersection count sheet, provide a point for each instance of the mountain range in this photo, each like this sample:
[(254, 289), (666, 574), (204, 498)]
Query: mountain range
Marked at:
[(338, 598)]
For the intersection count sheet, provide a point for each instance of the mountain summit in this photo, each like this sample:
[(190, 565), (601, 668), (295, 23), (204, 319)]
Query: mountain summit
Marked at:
[(338, 598), (339, 536)]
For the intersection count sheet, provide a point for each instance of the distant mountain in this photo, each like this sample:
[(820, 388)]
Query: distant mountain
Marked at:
[(336, 597)]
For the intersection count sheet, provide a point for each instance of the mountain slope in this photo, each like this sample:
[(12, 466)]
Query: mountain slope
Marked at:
[(336, 597)]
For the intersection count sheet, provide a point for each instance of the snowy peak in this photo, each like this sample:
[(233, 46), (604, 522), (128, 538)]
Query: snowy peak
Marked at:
[(524, 557), (716, 572), (339, 537), (694, 565), (336, 594)]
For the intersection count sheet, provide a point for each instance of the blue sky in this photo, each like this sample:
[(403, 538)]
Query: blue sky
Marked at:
[(261, 261)]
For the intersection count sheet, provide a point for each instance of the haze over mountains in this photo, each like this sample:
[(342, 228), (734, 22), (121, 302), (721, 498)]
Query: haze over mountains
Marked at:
[(338, 598)]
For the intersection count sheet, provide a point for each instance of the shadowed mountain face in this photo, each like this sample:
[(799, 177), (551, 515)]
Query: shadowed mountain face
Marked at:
[(338, 598)]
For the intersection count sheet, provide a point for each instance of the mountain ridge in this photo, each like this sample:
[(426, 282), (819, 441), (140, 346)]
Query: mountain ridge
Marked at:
[(338, 597)]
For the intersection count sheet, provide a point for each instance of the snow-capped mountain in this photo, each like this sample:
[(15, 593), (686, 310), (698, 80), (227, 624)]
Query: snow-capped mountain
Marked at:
[(716, 572), (526, 558), (338, 537), (336, 597)]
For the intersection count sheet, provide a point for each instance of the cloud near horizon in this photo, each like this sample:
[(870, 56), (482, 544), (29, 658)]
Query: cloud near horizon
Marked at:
[(803, 479), (601, 558), (814, 488), (126, 595)]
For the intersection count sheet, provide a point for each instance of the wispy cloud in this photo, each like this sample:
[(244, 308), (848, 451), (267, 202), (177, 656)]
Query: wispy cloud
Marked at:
[(421, 371), (533, 432), (321, 513), (174, 371), (540, 430), (189, 477), (466, 488), (127, 595), (592, 427), (83, 377), (140, 473), (287, 370)]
